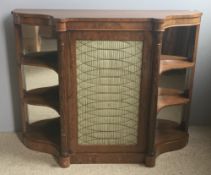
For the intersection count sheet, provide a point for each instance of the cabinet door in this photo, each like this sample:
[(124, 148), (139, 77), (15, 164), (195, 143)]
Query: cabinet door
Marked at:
[(109, 79)]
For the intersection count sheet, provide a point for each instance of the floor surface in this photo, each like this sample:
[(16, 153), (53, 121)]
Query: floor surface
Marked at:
[(194, 159)]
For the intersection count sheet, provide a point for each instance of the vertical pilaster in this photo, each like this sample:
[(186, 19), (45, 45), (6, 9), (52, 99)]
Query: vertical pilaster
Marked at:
[(156, 51), (62, 62)]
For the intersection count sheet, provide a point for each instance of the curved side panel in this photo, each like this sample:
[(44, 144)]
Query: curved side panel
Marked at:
[(46, 148), (169, 137), (41, 146)]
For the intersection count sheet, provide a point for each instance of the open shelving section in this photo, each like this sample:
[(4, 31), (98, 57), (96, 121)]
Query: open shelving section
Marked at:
[(178, 53), (45, 133)]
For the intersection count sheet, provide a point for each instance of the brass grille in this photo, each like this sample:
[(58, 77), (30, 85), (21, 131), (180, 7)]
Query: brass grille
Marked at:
[(108, 87)]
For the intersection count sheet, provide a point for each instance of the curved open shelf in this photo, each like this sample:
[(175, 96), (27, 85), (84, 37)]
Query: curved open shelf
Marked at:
[(44, 136), (47, 59), (47, 96), (169, 62), (170, 97), (169, 136)]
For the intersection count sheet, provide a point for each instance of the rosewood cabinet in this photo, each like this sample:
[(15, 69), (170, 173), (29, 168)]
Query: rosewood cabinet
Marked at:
[(109, 64)]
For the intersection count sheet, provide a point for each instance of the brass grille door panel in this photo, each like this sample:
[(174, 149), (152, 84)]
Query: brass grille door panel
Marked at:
[(108, 87)]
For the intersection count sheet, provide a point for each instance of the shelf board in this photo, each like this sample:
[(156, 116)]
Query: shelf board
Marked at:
[(47, 96), (47, 59), (169, 62), (169, 136), (170, 97), (44, 135)]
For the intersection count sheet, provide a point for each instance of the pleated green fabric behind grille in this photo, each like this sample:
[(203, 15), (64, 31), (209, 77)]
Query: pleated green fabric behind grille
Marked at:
[(108, 87)]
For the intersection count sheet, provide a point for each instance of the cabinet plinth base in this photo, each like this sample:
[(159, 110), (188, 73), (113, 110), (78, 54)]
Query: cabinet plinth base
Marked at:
[(169, 137), (44, 136)]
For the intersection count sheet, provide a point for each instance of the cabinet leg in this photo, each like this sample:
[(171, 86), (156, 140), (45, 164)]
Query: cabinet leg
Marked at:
[(150, 160), (64, 162)]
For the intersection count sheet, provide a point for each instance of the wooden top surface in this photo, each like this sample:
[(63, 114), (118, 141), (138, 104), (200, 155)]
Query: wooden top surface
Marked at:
[(108, 14)]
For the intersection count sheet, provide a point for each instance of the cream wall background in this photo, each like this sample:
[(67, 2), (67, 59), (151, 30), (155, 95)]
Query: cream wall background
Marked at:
[(9, 112)]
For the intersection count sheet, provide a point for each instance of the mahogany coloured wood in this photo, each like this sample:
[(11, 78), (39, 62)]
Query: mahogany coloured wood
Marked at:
[(47, 96), (170, 97), (173, 63), (170, 43), (107, 19), (43, 59), (145, 81)]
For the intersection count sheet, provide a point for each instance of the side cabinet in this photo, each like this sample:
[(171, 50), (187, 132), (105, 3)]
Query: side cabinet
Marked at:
[(109, 64)]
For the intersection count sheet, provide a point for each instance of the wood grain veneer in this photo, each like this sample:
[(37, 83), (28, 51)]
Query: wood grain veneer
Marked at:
[(169, 43)]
